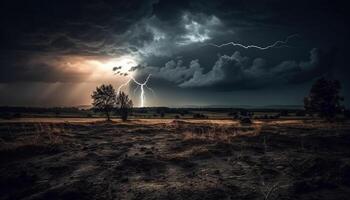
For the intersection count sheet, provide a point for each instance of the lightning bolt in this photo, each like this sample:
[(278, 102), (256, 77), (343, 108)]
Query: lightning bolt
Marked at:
[(123, 85), (277, 44), (142, 87)]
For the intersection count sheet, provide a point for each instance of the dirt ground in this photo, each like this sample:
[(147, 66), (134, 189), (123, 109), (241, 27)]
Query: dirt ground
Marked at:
[(174, 160)]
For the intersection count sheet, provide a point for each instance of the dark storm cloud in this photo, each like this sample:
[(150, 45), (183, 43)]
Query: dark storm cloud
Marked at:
[(117, 68), (112, 27), (238, 71), (68, 26), (172, 35), (258, 13), (154, 37), (43, 69)]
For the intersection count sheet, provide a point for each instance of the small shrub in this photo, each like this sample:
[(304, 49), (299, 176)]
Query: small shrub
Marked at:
[(245, 120), (300, 113), (200, 116)]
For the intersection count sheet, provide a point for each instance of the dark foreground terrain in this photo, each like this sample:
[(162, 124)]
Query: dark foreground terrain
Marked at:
[(174, 160)]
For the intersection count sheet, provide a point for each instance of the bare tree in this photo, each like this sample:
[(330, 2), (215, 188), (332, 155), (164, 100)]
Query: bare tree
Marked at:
[(104, 99), (125, 105)]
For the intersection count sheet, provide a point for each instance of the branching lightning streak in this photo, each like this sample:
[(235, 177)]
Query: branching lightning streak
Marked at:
[(123, 85), (135, 90), (277, 44), (150, 89), (139, 85)]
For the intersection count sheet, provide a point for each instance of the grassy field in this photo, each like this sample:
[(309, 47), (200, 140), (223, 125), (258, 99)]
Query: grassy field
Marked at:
[(87, 158)]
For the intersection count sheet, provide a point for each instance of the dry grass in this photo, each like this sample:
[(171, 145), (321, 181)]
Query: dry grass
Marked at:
[(153, 161), (218, 133), (48, 135)]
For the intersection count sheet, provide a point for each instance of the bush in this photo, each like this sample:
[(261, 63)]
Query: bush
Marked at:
[(300, 113), (200, 116), (245, 120), (284, 113)]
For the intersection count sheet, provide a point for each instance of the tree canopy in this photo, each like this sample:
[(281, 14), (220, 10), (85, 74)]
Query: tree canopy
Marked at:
[(324, 98), (104, 99), (125, 105)]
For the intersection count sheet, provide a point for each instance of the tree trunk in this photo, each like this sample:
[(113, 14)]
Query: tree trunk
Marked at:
[(108, 117), (124, 114)]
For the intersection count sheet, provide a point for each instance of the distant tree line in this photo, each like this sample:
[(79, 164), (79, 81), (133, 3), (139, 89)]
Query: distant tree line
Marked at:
[(324, 100), (39, 110)]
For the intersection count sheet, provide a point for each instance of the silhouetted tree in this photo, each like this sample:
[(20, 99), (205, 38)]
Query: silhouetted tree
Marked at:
[(104, 99), (324, 98), (125, 105), (162, 114), (347, 113)]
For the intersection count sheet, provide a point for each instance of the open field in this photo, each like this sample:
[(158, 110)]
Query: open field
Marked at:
[(78, 158)]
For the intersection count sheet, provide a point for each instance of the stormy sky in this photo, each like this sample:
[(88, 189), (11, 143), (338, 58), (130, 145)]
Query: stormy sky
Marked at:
[(219, 52)]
